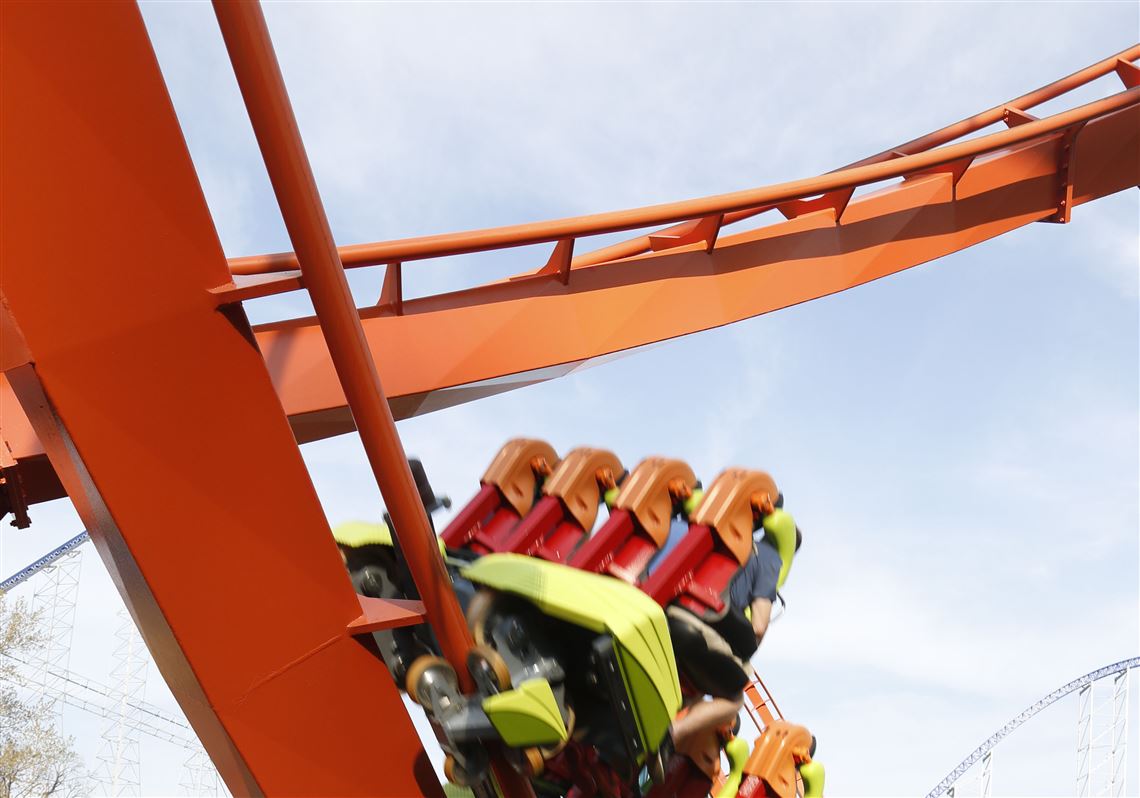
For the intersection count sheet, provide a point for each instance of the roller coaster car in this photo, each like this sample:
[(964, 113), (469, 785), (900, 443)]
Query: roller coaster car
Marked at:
[(575, 672), (377, 570), (638, 525), (509, 488), (564, 516), (693, 580)]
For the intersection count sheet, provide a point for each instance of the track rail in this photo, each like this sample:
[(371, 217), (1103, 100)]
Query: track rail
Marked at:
[(56, 554), (871, 170), (1029, 712)]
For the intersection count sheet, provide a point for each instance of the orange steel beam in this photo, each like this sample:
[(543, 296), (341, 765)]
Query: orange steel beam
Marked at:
[(199, 505), (259, 77), (612, 307), (267, 101)]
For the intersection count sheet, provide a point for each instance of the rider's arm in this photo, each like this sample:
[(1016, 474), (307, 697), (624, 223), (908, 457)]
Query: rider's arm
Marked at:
[(765, 572), (761, 614)]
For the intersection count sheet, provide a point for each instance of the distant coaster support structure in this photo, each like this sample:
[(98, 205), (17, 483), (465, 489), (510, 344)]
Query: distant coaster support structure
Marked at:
[(1119, 670), (122, 708)]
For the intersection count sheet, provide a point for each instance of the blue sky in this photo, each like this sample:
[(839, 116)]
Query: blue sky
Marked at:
[(959, 442)]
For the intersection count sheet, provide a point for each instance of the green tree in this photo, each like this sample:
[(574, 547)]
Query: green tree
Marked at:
[(36, 761)]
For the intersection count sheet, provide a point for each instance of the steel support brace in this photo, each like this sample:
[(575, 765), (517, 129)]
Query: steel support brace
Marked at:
[(1066, 168), (392, 290), (703, 231), (835, 201), (1015, 116), (267, 101), (259, 77), (987, 776), (1084, 738), (1118, 751), (1128, 73), (559, 263)]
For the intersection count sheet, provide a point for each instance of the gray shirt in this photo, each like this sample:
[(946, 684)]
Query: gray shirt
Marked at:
[(758, 577)]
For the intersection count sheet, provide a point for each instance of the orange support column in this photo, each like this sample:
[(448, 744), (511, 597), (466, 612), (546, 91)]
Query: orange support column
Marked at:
[(157, 412), (267, 101), (247, 40)]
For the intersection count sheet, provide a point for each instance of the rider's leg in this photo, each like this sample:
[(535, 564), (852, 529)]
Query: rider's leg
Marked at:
[(697, 733)]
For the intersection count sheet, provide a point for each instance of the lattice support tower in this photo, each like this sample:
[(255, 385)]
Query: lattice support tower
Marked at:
[(987, 773), (1089, 741), (1084, 739), (1102, 737), (982, 781), (54, 600), (120, 772), (1118, 752), (200, 777), (90, 697), (60, 686)]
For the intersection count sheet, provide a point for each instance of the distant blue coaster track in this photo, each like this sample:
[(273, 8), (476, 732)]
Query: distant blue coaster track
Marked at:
[(1007, 729), (24, 574)]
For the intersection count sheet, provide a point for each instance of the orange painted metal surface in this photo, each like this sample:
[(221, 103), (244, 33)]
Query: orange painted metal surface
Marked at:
[(199, 504)]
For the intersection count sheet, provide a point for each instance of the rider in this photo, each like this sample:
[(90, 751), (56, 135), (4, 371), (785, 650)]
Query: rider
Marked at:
[(755, 589), (699, 732)]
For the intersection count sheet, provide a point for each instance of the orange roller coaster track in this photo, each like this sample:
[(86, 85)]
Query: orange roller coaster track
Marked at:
[(690, 276), (134, 384)]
